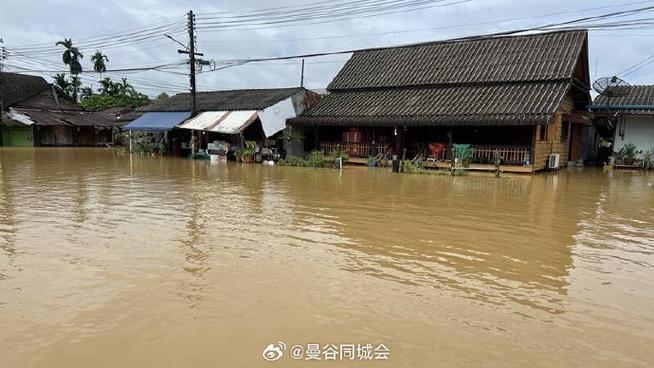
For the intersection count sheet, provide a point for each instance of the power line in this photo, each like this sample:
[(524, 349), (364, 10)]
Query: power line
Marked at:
[(429, 28), (563, 25)]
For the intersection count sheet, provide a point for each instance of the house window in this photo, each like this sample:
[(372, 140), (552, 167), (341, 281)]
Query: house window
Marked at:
[(565, 129), (543, 132)]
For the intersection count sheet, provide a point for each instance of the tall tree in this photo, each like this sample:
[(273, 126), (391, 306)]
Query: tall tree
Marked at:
[(62, 82), (75, 87), (99, 62), (71, 56)]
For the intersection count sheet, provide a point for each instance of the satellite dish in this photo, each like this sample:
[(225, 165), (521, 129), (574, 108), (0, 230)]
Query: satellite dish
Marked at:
[(611, 87)]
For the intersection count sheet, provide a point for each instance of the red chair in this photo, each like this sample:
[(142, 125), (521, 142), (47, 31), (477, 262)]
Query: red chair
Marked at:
[(435, 151)]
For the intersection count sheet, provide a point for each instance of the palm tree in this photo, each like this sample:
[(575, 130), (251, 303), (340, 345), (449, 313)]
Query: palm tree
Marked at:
[(61, 82), (99, 62), (107, 87), (75, 87), (71, 56)]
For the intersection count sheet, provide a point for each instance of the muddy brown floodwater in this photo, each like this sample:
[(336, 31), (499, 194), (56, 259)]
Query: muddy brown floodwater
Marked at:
[(108, 260)]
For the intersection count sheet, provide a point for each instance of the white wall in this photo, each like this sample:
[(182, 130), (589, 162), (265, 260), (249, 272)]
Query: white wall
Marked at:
[(639, 130)]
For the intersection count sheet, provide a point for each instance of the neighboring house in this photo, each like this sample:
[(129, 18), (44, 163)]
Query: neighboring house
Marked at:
[(232, 116), (630, 118), (35, 113), (520, 97)]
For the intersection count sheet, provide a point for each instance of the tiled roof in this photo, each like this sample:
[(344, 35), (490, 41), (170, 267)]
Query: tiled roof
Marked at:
[(537, 57), (509, 104), (639, 101), (245, 99), (17, 87), (638, 96), (517, 80)]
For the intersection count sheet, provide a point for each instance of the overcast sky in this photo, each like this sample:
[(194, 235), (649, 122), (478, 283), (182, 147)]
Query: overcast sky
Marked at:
[(25, 23)]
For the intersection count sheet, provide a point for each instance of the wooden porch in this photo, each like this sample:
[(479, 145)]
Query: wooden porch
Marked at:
[(515, 159)]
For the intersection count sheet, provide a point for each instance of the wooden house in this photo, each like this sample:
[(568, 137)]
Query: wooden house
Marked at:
[(519, 98), (35, 113)]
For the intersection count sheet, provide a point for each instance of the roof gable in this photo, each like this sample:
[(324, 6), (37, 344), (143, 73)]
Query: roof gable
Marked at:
[(244, 99), (17, 87), (528, 58), (45, 99)]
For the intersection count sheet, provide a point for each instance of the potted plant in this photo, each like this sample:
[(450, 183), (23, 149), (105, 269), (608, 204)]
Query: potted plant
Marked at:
[(247, 153), (629, 153)]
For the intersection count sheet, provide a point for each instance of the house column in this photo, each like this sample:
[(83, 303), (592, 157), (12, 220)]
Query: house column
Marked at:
[(399, 145), (450, 144)]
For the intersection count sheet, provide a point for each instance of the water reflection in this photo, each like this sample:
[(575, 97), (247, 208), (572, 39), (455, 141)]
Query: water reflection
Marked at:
[(91, 239)]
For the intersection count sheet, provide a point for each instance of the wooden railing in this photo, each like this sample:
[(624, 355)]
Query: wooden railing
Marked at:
[(355, 149), (516, 155)]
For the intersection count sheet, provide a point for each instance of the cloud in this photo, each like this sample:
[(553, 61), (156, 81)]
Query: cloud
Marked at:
[(45, 22)]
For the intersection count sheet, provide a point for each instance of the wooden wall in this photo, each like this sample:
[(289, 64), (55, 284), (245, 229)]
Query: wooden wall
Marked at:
[(544, 146)]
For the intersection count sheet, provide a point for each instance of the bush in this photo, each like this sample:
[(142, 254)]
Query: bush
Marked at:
[(316, 159), (100, 102), (409, 167)]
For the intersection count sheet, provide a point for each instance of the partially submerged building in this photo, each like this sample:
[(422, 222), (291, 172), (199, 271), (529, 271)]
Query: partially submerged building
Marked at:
[(523, 98), (233, 116), (629, 119), (35, 113)]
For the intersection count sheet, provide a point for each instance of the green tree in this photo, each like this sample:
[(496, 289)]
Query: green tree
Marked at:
[(62, 82), (99, 62), (86, 92), (71, 56), (114, 94), (75, 87), (107, 87), (162, 96)]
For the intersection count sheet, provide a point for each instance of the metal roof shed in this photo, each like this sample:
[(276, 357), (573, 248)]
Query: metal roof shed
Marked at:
[(157, 121)]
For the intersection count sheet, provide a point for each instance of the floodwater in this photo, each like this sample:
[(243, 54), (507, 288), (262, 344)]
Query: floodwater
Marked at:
[(108, 260)]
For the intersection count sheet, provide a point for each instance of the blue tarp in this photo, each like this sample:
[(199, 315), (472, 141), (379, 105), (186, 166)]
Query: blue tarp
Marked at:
[(158, 121)]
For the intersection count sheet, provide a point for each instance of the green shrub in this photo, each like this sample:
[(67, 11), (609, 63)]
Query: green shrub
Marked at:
[(409, 167), (316, 159)]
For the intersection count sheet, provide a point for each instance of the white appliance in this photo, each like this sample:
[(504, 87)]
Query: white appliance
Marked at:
[(555, 161)]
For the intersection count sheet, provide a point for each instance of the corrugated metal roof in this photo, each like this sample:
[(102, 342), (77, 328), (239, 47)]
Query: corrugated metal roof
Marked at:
[(226, 122), (245, 99), (235, 122), (203, 120), (73, 118)]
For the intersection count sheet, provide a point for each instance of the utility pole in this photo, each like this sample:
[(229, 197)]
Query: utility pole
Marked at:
[(3, 56), (190, 50), (302, 75), (192, 61)]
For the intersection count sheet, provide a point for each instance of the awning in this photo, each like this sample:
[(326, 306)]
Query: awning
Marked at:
[(158, 121), (226, 122)]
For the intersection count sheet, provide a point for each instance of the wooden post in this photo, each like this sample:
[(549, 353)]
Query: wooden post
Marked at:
[(397, 152), (450, 143), (532, 151)]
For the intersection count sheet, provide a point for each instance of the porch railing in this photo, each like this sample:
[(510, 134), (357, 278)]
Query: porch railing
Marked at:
[(355, 149), (512, 155)]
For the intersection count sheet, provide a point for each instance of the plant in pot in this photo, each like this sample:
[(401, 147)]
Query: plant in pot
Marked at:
[(238, 154), (247, 153), (648, 160), (630, 151)]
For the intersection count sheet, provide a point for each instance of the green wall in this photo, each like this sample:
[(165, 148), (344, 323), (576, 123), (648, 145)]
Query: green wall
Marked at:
[(17, 137)]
